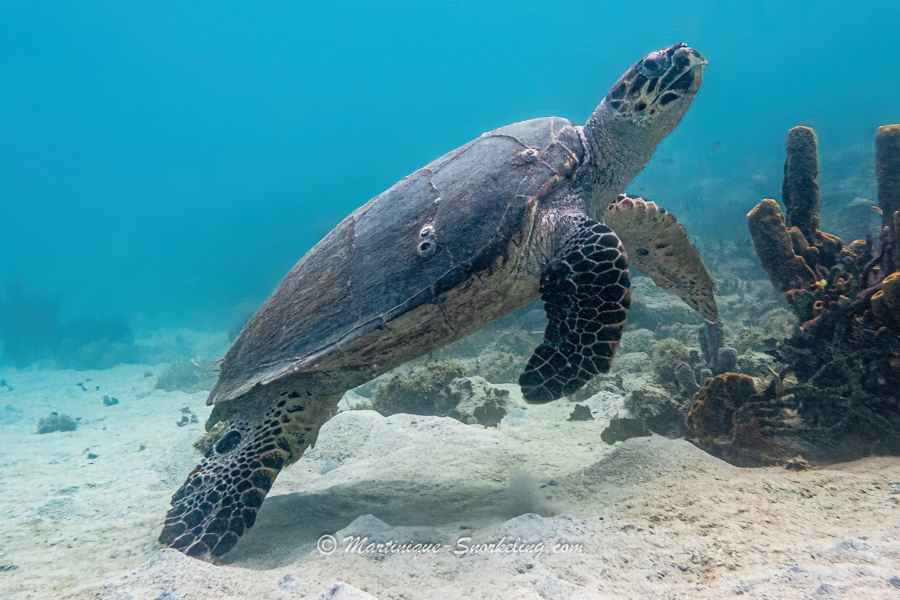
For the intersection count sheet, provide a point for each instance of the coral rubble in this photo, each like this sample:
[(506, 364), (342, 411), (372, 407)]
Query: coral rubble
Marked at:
[(56, 422), (478, 401), (837, 394), (620, 430)]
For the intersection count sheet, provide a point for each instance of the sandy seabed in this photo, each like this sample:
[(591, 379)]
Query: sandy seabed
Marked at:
[(536, 508)]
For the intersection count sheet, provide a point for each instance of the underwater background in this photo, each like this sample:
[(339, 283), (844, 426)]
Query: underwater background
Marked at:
[(167, 163), (164, 164)]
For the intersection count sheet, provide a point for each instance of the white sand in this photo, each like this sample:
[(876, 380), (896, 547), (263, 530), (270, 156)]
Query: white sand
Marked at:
[(654, 517)]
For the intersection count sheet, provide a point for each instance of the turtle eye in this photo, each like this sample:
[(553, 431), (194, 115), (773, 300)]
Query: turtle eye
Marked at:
[(655, 64)]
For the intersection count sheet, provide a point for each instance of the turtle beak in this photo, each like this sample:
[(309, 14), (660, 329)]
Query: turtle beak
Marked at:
[(683, 55), (696, 58), (689, 63)]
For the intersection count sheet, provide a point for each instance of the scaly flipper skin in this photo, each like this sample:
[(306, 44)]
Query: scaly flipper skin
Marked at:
[(586, 293), (659, 246), (221, 497)]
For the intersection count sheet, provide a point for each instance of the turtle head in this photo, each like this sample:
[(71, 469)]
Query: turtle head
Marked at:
[(640, 110), (659, 89)]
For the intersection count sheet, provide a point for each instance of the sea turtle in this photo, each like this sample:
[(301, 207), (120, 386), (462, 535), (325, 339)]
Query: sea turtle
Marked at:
[(514, 215)]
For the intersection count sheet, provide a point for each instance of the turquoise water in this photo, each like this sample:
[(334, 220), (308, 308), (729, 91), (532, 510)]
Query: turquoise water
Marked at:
[(164, 164), (168, 162)]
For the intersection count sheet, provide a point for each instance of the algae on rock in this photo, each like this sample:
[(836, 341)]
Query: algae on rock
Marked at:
[(668, 355), (423, 390), (189, 376)]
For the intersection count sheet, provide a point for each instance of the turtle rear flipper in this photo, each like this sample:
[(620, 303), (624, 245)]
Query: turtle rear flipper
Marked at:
[(586, 293), (220, 498), (660, 248)]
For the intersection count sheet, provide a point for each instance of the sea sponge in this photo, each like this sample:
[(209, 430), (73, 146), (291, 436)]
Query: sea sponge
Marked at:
[(891, 295), (843, 362), (786, 270), (800, 190), (712, 337), (887, 173), (713, 406), (803, 262), (726, 360), (684, 374), (896, 229)]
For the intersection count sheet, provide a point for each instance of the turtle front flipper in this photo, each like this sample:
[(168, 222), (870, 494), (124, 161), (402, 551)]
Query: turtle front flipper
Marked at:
[(220, 498), (659, 246), (586, 293)]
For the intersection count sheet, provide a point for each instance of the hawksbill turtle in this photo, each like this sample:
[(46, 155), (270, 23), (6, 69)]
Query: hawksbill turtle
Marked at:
[(525, 211)]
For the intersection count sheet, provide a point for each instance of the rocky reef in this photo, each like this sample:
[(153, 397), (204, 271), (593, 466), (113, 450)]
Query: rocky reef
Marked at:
[(440, 388), (423, 390), (835, 395)]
